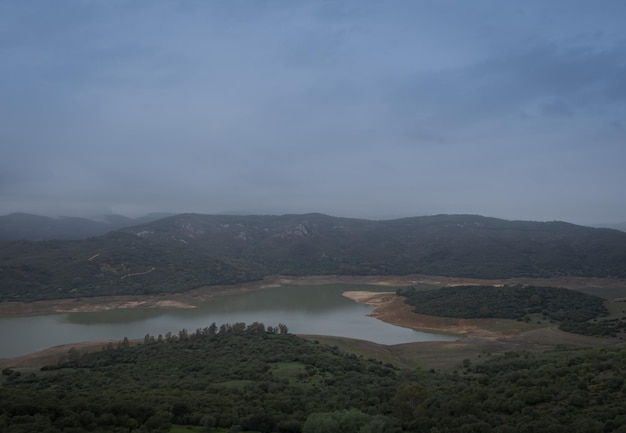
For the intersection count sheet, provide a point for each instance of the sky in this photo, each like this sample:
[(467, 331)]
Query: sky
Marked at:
[(366, 109)]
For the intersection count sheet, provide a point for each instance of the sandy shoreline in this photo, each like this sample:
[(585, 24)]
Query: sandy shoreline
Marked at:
[(392, 309), (387, 307), (188, 299), (604, 287)]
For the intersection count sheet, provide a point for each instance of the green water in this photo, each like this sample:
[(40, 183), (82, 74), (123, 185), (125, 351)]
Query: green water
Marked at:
[(304, 309)]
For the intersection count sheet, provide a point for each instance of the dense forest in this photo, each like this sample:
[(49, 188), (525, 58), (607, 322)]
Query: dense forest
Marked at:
[(114, 264), (184, 252), (574, 311), (257, 378)]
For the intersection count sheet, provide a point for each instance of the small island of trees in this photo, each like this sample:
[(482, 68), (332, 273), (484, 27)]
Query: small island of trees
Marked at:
[(574, 311)]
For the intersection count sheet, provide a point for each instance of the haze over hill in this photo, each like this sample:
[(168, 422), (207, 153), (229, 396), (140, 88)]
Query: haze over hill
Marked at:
[(187, 251), (621, 226), (367, 109), (29, 227)]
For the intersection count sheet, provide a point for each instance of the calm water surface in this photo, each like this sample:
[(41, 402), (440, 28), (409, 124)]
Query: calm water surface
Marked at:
[(316, 309)]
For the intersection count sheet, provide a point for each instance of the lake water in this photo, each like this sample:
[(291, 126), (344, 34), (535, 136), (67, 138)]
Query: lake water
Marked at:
[(319, 309)]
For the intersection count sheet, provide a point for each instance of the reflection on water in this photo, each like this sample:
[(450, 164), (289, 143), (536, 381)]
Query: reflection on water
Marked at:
[(304, 309)]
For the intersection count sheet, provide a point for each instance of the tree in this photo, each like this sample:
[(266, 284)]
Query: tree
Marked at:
[(208, 422), (378, 424), (238, 328), (159, 422), (352, 420), (321, 423), (283, 328), (213, 329), (256, 328), (260, 422), (407, 401)]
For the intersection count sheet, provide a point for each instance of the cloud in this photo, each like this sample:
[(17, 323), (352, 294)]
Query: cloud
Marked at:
[(354, 108)]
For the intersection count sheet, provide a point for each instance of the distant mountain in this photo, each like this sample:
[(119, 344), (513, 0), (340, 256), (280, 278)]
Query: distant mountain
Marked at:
[(185, 251), (620, 226), (463, 245), (23, 226)]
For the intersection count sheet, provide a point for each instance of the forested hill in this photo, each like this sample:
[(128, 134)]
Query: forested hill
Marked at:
[(265, 381), (191, 250), (455, 245)]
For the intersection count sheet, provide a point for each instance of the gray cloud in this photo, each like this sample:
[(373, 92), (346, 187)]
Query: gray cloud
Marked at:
[(363, 109)]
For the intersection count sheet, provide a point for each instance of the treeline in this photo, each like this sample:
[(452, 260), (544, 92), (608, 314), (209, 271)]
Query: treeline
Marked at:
[(240, 377), (568, 307)]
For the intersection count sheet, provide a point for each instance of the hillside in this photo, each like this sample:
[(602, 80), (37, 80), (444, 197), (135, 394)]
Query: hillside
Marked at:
[(186, 251), (114, 264), (263, 380), (461, 245)]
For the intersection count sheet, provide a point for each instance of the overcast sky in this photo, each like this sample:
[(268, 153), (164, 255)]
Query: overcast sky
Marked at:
[(372, 109)]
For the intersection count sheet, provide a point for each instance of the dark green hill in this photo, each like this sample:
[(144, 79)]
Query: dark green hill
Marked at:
[(114, 264), (263, 380), (460, 245), (190, 250), (508, 302)]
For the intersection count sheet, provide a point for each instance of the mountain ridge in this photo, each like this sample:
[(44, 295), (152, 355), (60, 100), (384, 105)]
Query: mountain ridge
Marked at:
[(187, 251)]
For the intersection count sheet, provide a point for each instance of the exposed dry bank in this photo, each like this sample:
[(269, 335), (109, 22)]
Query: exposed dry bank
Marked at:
[(477, 336)]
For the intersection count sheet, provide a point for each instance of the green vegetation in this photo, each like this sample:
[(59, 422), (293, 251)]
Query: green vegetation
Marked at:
[(573, 310), (114, 264), (262, 379), (184, 252), (508, 302), (608, 327), (257, 378), (562, 391)]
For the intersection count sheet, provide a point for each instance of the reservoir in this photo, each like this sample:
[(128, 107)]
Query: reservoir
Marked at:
[(305, 309)]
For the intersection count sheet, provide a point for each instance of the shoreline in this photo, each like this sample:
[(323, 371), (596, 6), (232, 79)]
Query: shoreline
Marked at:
[(386, 307), (609, 288), (392, 309), (188, 299)]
